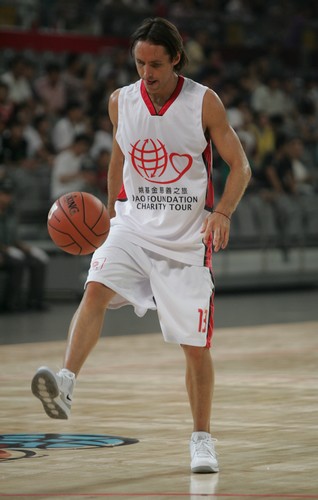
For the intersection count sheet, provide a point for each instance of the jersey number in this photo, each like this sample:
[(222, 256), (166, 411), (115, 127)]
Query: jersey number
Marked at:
[(203, 315)]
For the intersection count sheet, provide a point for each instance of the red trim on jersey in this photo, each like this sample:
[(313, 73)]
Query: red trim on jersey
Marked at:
[(207, 158), (208, 254), (122, 194), (166, 106)]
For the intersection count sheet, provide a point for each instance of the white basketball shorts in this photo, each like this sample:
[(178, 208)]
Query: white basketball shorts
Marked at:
[(182, 294)]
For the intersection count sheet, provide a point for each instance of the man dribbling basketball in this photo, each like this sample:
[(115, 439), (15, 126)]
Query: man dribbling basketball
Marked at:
[(163, 224)]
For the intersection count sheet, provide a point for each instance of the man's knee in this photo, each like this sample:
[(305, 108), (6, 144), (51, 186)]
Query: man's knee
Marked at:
[(194, 353), (97, 295)]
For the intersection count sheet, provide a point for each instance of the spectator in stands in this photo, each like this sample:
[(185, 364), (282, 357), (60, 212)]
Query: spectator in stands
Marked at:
[(67, 127), (307, 122), (230, 96), (304, 178), (66, 171), (277, 168), (281, 190), (213, 64), (238, 9), (71, 78), (17, 80), (37, 133), (90, 176), (103, 90), (103, 135), (270, 98), (45, 150), (285, 169), (118, 64), (51, 90), (196, 47), (18, 259), (25, 114), (102, 162), (14, 146), (6, 105), (247, 130), (78, 79), (265, 137), (2, 135)]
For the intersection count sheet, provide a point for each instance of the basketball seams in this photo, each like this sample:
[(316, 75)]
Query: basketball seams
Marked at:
[(74, 225), (69, 236), (70, 221), (98, 218)]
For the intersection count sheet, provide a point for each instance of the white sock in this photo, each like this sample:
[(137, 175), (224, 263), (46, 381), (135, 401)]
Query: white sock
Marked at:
[(196, 436)]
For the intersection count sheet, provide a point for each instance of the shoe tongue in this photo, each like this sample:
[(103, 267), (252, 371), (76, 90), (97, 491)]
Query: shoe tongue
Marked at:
[(68, 373), (197, 436)]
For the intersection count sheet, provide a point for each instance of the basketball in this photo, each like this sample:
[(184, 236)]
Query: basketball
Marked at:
[(78, 223)]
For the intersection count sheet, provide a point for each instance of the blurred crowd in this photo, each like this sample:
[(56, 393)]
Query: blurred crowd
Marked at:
[(259, 21), (55, 133)]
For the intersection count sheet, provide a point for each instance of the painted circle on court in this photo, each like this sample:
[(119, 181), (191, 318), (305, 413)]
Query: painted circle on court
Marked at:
[(62, 441)]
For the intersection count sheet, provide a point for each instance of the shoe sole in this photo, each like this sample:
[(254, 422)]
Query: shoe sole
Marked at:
[(45, 388), (204, 469)]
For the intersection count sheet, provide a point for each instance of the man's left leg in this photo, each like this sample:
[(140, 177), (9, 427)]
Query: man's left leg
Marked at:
[(200, 385)]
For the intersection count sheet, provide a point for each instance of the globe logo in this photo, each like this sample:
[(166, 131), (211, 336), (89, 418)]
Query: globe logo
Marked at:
[(150, 159), (153, 163)]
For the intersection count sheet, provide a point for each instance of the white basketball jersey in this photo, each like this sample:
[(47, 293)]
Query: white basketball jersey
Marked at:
[(167, 178)]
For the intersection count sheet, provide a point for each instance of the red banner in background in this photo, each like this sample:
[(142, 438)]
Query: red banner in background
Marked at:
[(57, 42)]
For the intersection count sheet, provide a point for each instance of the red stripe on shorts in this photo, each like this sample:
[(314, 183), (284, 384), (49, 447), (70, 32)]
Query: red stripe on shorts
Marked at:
[(208, 263), (210, 322)]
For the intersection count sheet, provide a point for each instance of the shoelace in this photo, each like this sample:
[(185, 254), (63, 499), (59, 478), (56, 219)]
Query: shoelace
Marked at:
[(203, 448)]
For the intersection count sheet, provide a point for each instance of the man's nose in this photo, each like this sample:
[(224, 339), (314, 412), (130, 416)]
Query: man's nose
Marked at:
[(147, 72)]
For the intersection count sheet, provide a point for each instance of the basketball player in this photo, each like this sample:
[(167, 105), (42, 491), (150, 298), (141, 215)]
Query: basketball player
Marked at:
[(164, 223)]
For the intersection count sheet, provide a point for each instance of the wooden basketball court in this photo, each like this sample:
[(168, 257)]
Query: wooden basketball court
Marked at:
[(265, 419)]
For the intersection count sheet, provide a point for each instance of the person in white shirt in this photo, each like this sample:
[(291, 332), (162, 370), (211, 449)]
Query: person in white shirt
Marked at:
[(67, 127), (19, 87), (66, 171), (164, 223), (102, 136)]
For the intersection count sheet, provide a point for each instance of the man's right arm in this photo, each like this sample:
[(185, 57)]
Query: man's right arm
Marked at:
[(115, 169)]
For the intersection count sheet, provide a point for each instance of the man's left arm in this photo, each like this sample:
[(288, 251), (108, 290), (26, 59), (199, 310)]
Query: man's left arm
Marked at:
[(229, 147)]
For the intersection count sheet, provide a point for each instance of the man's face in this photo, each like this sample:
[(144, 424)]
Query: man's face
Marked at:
[(154, 66)]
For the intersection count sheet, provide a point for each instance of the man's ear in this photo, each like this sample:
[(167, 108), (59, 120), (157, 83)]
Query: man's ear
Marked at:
[(176, 59)]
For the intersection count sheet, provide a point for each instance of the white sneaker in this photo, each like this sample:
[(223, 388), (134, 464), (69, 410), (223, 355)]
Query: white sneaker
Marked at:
[(203, 454), (54, 390)]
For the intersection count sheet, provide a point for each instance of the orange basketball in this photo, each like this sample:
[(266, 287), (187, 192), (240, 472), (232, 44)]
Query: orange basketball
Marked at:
[(78, 223)]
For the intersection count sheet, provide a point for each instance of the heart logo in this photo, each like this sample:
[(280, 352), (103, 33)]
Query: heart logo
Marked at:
[(180, 163)]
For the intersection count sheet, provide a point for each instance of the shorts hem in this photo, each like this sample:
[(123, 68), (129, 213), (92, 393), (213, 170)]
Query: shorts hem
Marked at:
[(140, 311), (190, 342)]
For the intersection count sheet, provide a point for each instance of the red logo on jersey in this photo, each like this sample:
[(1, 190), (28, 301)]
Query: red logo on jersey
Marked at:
[(153, 163)]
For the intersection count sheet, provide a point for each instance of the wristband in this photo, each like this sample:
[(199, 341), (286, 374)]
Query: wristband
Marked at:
[(221, 213)]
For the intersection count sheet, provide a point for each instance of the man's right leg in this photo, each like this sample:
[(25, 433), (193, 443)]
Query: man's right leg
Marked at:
[(86, 325), (55, 390)]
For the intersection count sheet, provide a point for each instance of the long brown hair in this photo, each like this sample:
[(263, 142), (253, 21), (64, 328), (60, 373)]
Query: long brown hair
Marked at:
[(159, 31)]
